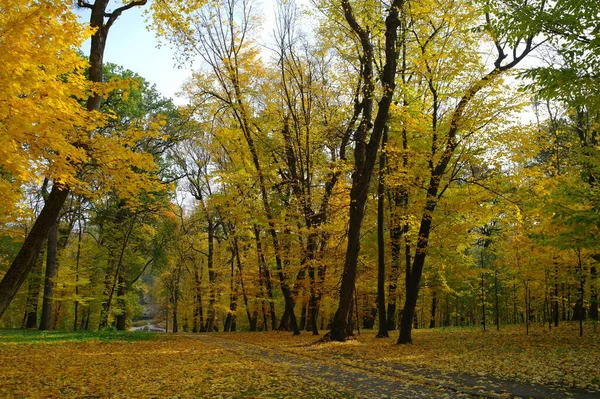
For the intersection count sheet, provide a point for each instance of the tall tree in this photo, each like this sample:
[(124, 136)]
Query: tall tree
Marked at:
[(444, 147), (76, 146), (366, 137), (226, 46)]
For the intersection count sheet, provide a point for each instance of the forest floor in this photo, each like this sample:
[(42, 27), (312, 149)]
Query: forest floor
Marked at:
[(442, 363)]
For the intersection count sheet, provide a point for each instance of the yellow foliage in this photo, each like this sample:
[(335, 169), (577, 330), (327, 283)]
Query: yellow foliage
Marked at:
[(43, 86), (45, 129)]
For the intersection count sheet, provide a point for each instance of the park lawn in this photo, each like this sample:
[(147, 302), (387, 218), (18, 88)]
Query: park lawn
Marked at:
[(145, 365), (66, 365), (556, 357)]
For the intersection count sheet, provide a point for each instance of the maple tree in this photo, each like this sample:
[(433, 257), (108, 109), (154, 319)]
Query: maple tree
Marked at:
[(78, 144), (26, 49)]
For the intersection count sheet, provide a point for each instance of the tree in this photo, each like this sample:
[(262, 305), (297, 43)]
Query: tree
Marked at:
[(366, 137), (444, 147), (67, 159), (565, 85)]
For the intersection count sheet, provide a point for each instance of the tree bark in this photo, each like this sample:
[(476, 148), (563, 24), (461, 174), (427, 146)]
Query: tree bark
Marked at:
[(77, 266), (416, 271), (230, 319), (198, 319), (496, 300), (265, 276), (593, 293), (212, 275), (28, 254), (121, 318), (555, 303), (395, 237)]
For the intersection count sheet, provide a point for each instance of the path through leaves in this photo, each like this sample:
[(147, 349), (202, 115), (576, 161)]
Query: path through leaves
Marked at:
[(263, 365)]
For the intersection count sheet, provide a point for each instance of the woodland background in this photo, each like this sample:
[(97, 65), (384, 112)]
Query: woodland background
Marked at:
[(379, 165)]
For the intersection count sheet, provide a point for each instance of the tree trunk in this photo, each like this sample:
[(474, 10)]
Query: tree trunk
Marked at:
[(365, 153), (175, 321), (29, 252), (265, 276), (593, 293), (525, 318), (382, 332), (77, 266), (51, 270), (25, 259), (321, 273), (555, 303), (230, 320), (482, 296), (315, 286), (33, 295), (198, 320), (414, 276), (175, 300), (396, 232), (252, 318), (369, 318), (121, 318), (496, 300), (212, 275), (394, 275), (342, 322), (303, 315), (399, 198), (434, 303), (314, 314), (313, 304), (580, 304)]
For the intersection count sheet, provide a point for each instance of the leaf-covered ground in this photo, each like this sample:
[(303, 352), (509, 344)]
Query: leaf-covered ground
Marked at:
[(555, 357), (164, 367), (278, 365)]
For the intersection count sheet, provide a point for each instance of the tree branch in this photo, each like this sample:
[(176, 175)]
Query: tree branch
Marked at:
[(84, 4), (112, 17)]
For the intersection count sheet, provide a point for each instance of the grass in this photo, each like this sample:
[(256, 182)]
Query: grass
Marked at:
[(33, 336)]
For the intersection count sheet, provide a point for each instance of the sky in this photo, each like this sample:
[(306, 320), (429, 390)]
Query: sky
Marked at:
[(131, 45)]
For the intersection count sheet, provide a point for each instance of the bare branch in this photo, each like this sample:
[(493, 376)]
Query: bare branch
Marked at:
[(112, 17)]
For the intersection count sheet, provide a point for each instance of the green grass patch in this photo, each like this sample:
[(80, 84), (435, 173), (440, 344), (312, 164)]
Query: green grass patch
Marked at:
[(32, 336)]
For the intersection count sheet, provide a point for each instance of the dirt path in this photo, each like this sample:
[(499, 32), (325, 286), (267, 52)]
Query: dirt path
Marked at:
[(377, 380)]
